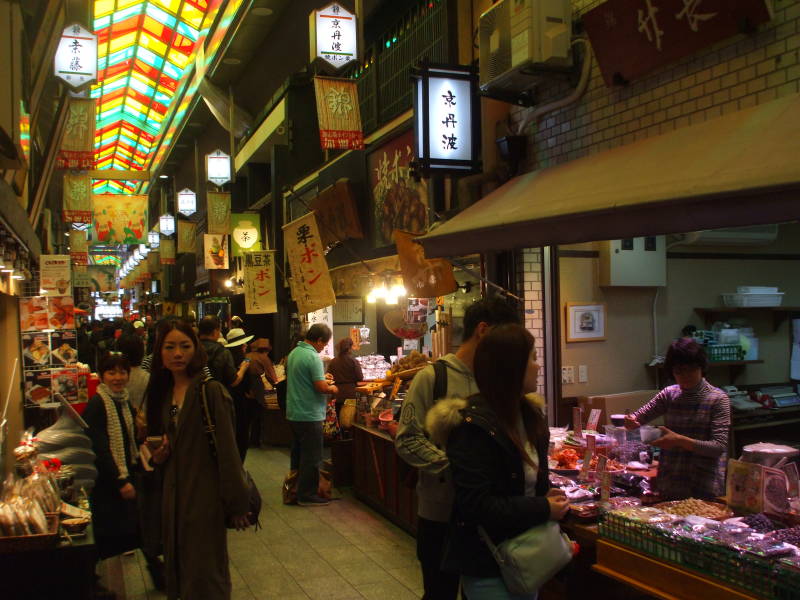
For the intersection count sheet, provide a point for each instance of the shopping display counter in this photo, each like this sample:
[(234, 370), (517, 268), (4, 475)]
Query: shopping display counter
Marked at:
[(377, 479)]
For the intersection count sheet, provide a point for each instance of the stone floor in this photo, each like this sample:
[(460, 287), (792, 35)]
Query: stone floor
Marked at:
[(335, 552)]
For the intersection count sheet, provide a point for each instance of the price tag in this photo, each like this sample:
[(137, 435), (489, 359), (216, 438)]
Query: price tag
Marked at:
[(587, 457), (577, 422), (594, 419), (605, 485)]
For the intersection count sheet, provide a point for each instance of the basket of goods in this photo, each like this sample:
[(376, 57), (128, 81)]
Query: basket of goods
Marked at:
[(700, 508), (395, 322), (408, 366)]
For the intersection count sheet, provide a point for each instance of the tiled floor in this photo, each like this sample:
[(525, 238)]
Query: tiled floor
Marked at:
[(336, 552)]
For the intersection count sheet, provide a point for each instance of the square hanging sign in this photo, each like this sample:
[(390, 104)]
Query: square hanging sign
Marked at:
[(76, 56), (446, 119), (333, 35)]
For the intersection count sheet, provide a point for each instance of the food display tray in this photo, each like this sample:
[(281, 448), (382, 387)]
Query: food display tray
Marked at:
[(754, 574), (28, 543)]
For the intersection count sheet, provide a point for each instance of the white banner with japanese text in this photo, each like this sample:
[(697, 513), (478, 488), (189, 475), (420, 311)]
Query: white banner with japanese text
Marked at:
[(260, 296), (311, 285)]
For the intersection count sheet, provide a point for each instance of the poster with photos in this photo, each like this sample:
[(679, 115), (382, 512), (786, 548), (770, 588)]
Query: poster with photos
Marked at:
[(65, 382), (33, 315), (63, 348), (37, 387), (61, 312), (417, 310), (35, 350)]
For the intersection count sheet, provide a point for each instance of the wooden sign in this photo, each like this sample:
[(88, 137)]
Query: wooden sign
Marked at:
[(633, 37), (337, 214)]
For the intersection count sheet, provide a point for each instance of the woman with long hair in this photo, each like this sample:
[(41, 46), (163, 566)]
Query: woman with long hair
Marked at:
[(496, 443), (203, 486)]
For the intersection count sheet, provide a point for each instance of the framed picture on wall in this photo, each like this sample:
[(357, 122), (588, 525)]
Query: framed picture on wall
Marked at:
[(348, 311), (585, 322)]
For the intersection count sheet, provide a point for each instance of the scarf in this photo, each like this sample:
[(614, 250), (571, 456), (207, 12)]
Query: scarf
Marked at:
[(116, 439)]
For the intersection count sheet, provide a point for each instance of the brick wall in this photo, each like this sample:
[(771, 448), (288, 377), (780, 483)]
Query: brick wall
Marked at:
[(530, 286), (734, 74)]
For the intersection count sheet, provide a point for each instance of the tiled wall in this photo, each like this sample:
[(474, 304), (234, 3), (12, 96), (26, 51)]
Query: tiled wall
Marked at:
[(734, 74), (529, 269)]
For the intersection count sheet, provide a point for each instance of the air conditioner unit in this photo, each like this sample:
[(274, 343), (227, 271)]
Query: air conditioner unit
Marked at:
[(756, 235), (521, 41)]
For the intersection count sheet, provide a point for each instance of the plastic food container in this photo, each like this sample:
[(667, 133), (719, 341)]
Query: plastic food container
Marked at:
[(775, 299), (649, 434)]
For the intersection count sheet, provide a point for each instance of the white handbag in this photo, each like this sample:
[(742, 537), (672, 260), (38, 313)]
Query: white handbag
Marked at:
[(530, 559)]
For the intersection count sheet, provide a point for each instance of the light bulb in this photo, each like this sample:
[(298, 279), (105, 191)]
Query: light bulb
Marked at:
[(371, 297), (228, 283), (398, 290), (391, 299)]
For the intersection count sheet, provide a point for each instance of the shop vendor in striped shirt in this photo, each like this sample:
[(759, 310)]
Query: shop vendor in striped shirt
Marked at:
[(697, 415)]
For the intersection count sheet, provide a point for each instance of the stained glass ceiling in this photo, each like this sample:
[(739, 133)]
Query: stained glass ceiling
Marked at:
[(144, 48)]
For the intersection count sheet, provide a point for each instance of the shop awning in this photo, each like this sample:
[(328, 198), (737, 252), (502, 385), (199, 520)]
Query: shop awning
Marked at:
[(739, 169)]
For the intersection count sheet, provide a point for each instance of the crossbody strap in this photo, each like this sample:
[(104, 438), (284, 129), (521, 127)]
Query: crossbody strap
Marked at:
[(208, 422), (490, 544)]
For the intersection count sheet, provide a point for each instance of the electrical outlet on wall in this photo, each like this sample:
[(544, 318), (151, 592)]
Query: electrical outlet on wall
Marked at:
[(583, 373), (567, 374)]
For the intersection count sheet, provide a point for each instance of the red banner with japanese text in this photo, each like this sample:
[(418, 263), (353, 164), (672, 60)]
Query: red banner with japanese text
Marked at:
[(339, 114), (77, 198), (77, 144), (260, 296), (311, 281)]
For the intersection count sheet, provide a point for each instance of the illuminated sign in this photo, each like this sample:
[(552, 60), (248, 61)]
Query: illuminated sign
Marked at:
[(218, 167), (187, 202), (166, 223), (76, 56), (446, 119), (333, 35)]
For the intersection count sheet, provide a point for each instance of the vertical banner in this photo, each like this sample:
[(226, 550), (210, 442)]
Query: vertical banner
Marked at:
[(78, 247), (77, 198), (245, 233), (259, 282), (77, 145), (167, 251), (219, 212), (338, 114), (422, 277), (154, 262), (54, 276), (120, 219), (311, 279), (215, 250), (186, 234)]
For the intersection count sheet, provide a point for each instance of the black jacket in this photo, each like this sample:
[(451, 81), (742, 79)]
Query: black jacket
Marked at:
[(220, 362), (489, 484)]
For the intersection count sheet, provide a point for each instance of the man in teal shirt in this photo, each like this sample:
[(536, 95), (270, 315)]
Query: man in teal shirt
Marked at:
[(306, 400)]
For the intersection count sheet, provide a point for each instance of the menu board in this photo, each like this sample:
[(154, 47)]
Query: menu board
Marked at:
[(33, 315), (35, 350), (37, 387), (63, 348), (65, 382)]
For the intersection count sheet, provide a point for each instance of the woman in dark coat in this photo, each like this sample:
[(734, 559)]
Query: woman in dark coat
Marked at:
[(497, 446), (201, 491), (346, 371), (111, 429)]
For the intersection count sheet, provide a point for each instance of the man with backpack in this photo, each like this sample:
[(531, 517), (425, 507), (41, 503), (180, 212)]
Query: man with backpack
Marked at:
[(220, 360), (451, 375)]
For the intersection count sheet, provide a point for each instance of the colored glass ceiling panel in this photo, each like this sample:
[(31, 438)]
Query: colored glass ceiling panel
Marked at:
[(144, 48)]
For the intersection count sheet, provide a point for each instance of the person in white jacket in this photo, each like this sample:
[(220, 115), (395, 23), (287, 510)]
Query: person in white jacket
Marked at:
[(434, 486)]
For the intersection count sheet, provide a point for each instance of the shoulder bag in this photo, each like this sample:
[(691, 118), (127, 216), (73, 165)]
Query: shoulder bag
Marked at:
[(253, 495), (530, 559)]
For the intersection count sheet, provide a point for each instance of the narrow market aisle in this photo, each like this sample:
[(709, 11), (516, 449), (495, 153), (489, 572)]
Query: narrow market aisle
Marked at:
[(337, 552)]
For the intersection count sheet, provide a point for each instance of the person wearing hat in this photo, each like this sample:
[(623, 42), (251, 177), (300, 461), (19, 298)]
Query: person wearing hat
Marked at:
[(259, 353), (244, 404)]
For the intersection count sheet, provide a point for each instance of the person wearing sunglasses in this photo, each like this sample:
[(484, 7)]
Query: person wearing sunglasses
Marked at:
[(201, 488)]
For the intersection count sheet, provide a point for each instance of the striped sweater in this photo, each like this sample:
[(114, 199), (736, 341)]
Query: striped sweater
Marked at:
[(703, 414)]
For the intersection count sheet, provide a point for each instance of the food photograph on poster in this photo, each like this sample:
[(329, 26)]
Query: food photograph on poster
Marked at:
[(399, 201), (36, 350)]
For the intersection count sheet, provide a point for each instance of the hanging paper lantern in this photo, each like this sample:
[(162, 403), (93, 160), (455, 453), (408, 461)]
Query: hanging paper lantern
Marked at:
[(166, 223), (154, 239), (218, 167), (187, 202)]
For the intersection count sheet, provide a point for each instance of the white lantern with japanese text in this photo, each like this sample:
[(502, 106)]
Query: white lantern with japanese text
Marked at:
[(166, 223), (446, 119), (187, 202), (154, 239), (218, 167), (333, 35), (76, 56)]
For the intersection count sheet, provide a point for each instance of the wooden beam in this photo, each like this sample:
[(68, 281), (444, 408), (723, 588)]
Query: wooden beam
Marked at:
[(119, 175)]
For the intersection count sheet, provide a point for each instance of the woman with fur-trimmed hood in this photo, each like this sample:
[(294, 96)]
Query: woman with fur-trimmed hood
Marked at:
[(497, 443)]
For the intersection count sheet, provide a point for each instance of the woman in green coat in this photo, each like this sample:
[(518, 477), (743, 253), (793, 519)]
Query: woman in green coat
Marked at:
[(201, 491)]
